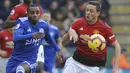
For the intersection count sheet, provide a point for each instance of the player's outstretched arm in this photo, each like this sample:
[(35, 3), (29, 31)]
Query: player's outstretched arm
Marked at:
[(9, 23), (50, 40), (73, 36), (117, 55), (18, 35)]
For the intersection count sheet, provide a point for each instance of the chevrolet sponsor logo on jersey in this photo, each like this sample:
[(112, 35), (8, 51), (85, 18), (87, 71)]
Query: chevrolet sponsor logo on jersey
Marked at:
[(96, 32)]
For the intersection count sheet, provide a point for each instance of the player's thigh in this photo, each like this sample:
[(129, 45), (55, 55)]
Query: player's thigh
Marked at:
[(39, 68), (10, 69), (11, 66), (30, 67), (48, 66), (26, 67), (71, 67)]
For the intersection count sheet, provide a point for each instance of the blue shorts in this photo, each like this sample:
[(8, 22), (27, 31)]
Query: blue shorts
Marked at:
[(49, 65), (13, 64)]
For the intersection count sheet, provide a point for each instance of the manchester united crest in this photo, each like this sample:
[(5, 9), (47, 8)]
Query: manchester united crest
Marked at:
[(96, 32)]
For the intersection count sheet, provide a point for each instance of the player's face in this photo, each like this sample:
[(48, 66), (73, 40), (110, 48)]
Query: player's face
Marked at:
[(46, 17), (34, 13), (27, 1), (91, 12)]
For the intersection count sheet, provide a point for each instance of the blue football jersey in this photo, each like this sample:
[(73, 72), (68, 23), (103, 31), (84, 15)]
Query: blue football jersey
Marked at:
[(26, 47), (49, 51)]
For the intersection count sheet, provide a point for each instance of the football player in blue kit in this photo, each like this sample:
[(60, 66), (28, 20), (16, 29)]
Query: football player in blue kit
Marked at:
[(50, 52), (28, 36)]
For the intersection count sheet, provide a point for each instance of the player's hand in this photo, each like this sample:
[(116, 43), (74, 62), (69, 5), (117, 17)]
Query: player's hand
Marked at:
[(73, 35), (38, 35), (59, 57), (9, 44), (3, 53)]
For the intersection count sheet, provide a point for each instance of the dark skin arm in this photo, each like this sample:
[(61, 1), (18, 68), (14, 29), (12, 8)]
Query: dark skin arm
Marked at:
[(9, 23)]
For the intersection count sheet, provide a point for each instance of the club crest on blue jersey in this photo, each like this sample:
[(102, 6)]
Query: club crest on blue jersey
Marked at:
[(41, 30)]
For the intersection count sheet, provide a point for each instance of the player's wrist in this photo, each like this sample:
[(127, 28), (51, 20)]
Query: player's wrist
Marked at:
[(58, 50)]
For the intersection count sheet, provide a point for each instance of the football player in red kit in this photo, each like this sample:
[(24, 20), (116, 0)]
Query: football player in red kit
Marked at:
[(19, 10), (84, 59), (6, 47)]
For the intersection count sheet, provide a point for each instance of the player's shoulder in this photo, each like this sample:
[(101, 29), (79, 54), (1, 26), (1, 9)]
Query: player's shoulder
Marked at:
[(54, 27), (23, 19), (22, 22), (42, 21), (104, 24), (3, 31), (19, 5), (17, 8), (79, 22), (81, 19)]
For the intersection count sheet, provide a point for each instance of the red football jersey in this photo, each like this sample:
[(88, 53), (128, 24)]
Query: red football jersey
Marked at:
[(20, 10), (5, 37), (85, 30)]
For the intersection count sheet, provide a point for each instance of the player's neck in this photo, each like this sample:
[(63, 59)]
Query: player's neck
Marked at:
[(33, 22), (92, 22), (27, 4)]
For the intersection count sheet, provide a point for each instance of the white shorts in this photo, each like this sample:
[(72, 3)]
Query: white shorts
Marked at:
[(73, 66), (40, 55), (3, 63)]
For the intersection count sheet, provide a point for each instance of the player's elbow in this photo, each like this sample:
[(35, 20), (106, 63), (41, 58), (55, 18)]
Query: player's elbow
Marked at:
[(9, 23), (15, 38), (5, 26)]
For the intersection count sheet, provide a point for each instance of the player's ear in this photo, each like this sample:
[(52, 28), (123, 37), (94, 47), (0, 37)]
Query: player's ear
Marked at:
[(98, 13)]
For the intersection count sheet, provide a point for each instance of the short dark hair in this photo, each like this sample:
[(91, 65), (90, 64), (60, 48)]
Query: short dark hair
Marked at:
[(95, 3), (31, 5)]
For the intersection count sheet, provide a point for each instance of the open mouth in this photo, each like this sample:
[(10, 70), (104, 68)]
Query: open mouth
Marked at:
[(87, 17)]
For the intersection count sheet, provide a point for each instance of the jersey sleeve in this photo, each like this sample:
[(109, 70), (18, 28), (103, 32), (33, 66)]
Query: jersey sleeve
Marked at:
[(18, 33), (14, 14), (110, 37), (0, 38), (50, 40)]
